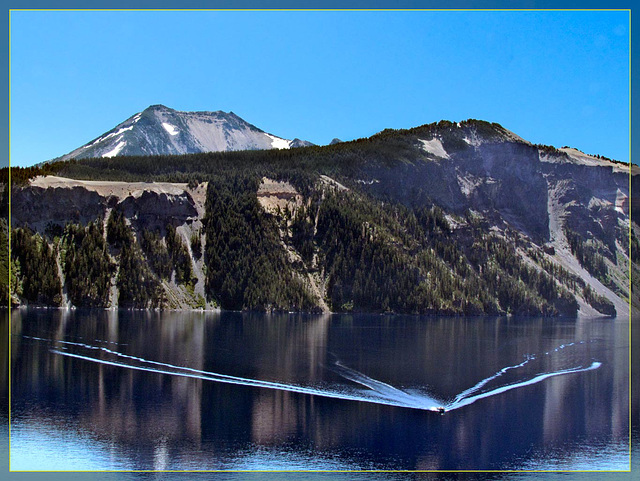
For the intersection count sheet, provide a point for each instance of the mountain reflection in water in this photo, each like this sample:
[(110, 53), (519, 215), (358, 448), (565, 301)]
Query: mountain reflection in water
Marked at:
[(231, 391)]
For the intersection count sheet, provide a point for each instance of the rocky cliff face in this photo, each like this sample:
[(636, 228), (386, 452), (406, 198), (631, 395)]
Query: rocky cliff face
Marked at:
[(49, 203), (539, 191), (57, 200)]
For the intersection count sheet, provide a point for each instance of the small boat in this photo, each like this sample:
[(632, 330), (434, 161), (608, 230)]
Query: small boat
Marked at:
[(441, 410)]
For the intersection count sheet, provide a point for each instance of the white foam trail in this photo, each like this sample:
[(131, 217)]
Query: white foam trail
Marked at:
[(386, 390), (541, 377), (465, 394), (379, 393), (475, 388), (195, 374)]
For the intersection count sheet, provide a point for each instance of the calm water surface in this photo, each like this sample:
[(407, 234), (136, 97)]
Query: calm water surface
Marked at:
[(100, 390)]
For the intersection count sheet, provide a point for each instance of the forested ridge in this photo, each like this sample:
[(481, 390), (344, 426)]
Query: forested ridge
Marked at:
[(345, 244), (373, 257), (386, 149)]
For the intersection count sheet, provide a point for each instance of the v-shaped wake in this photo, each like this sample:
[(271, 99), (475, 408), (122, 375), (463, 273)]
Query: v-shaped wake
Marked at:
[(374, 391)]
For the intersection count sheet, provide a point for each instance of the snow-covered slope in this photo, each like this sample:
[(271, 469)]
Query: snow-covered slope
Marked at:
[(159, 130)]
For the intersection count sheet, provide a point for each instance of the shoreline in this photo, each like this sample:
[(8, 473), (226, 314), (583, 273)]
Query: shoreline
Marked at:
[(356, 313)]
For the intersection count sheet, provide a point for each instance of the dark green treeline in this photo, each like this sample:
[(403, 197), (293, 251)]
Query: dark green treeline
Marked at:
[(372, 256), (246, 266)]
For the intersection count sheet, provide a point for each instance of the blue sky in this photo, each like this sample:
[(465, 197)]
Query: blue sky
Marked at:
[(553, 77)]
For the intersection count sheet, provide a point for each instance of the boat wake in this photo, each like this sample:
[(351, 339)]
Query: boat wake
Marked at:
[(371, 390)]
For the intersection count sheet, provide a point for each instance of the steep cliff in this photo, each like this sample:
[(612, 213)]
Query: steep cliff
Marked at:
[(50, 203)]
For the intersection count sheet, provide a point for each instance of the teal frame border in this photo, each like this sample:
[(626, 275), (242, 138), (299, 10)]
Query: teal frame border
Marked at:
[(318, 4)]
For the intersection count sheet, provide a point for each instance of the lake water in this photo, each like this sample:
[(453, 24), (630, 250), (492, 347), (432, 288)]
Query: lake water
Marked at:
[(104, 390)]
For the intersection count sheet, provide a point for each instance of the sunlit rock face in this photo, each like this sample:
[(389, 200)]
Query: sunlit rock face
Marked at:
[(56, 200), (159, 130)]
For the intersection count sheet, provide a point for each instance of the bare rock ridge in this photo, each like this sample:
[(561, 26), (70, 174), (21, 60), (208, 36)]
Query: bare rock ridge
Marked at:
[(159, 130), (484, 167)]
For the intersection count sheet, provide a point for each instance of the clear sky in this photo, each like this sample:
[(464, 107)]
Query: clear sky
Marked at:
[(552, 77)]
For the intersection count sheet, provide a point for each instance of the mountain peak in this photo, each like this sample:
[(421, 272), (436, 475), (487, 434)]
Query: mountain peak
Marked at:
[(157, 107), (160, 130)]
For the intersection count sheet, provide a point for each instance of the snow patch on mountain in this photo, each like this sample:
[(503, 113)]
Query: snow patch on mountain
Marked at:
[(278, 143), (471, 141), (172, 129), (116, 150), (108, 136)]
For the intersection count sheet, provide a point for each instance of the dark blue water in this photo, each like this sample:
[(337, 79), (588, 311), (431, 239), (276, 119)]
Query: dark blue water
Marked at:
[(98, 390)]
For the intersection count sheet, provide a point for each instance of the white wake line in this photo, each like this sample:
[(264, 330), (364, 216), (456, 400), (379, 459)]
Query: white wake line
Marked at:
[(540, 377), (386, 394), (390, 395), (195, 374), (465, 394), (471, 390), (381, 393)]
